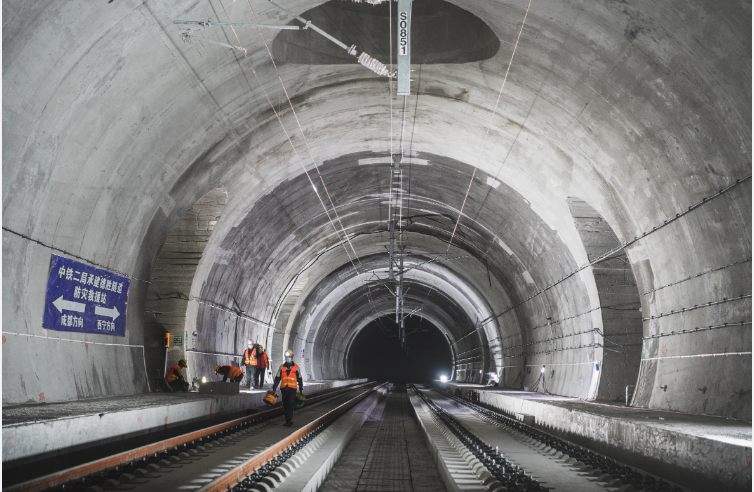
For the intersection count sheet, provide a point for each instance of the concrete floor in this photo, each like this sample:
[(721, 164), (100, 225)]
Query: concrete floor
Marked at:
[(387, 454)]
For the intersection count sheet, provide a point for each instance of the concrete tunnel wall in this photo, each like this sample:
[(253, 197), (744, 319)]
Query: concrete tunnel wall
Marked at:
[(114, 128)]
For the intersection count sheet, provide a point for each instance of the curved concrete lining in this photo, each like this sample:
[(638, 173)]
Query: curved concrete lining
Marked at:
[(114, 128)]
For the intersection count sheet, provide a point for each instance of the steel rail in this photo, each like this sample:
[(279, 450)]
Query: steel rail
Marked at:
[(240, 472), (121, 459)]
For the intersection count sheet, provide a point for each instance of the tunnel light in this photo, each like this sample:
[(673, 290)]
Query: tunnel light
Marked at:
[(443, 378), (543, 369), (204, 379)]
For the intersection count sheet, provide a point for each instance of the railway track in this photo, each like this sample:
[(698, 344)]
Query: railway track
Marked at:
[(185, 462), (473, 449), (522, 458)]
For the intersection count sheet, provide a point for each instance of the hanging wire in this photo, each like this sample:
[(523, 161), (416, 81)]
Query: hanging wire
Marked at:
[(697, 306), (705, 272), (85, 260), (696, 330), (298, 123), (489, 125), (609, 254)]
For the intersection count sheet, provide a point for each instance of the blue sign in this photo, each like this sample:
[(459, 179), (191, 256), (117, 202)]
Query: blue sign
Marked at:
[(83, 298)]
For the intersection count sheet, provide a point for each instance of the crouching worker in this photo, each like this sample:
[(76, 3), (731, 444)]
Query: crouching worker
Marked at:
[(289, 377), (175, 378), (232, 373)]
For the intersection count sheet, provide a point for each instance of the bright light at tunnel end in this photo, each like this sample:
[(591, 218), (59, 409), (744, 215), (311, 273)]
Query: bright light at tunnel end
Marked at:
[(443, 378)]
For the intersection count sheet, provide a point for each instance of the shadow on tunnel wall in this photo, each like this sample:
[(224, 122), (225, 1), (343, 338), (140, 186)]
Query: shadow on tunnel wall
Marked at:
[(376, 352)]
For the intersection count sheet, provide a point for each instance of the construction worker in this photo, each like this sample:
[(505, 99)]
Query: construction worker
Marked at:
[(288, 377), (229, 372), (262, 365), (175, 378), (250, 362)]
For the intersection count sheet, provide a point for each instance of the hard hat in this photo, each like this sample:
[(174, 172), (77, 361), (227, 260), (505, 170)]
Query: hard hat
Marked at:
[(249, 341), (183, 363), (217, 368), (261, 347), (289, 353)]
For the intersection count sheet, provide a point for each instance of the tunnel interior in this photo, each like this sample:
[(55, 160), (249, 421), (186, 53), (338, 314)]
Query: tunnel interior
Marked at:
[(574, 179), (376, 352)]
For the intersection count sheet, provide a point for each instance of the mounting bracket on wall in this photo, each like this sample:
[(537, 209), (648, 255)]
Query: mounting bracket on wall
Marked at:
[(187, 34), (371, 63)]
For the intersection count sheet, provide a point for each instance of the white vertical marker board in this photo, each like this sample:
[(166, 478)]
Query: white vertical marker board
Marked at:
[(404, 47)]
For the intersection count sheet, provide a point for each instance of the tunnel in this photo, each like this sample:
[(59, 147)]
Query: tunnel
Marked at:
[(553, 224)]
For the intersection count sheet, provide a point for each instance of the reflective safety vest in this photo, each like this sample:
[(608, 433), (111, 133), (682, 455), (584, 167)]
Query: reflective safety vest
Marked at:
[(288, 377), (263, 361), (234, 372), (172, 375), (250, 356)]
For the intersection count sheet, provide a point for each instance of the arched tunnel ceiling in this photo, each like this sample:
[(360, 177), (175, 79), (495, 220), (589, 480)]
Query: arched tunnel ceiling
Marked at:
[(114, 127)]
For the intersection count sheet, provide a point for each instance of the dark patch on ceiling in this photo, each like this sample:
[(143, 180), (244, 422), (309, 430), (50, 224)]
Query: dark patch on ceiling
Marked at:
[(440, 33)]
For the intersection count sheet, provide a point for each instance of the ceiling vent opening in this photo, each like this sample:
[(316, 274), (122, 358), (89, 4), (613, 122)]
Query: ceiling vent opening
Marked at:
[(440, 33)]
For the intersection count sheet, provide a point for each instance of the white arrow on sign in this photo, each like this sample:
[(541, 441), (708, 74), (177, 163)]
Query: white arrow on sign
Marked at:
[(62, 304), (109, 312)]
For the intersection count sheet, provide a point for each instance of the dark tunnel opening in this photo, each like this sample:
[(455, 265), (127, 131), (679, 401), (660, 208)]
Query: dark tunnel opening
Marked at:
[(376, 352)]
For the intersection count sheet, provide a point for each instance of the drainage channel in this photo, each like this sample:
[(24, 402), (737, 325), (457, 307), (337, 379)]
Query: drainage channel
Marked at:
[(177, 462), (591, 468)]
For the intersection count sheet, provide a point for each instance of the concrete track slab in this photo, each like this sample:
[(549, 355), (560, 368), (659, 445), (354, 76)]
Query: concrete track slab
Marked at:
[(387, 454), (698, 451)]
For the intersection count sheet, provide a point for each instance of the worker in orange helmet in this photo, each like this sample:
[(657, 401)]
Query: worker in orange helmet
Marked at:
[(262, 365), (249, 362), (288, 377), (174, 377), (229, 372)]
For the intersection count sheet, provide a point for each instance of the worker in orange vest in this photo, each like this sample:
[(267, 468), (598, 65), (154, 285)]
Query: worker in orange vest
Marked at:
[(288, 377), (250, 361), (229, 372), (175, 378), (262, 365)]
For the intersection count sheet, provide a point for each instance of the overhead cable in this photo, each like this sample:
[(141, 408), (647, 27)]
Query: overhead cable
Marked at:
[(85, 260), (723, 354), (705, 272), (489, 125), (624, 245), (696, 330), (698, 306), (288, 137)]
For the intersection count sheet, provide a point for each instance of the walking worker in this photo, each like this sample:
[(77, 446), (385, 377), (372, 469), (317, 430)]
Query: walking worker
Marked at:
[(229, 372), (262, 365), (250, 362), (174, 377), (288, 377)]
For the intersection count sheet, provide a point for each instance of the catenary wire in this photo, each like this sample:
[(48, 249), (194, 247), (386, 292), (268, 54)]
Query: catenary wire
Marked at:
[(489, 125)]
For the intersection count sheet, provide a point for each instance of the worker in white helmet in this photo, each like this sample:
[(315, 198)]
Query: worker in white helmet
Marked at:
[(289, 377), (250, 361)]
